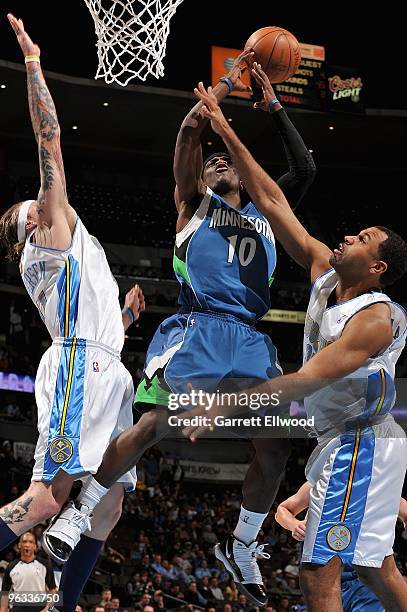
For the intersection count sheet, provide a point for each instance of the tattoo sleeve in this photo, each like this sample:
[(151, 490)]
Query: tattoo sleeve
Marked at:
[(46, 127)]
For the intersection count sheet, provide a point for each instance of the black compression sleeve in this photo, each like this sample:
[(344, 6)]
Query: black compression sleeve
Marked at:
[(302, 168)]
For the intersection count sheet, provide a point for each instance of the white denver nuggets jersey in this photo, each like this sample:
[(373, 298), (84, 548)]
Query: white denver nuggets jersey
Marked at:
[(74, 290), (370, 390)]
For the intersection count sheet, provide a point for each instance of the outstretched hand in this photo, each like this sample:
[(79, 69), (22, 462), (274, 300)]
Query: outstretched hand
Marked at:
[(25, 42), (211, 109), (240, 65), (263, 82)]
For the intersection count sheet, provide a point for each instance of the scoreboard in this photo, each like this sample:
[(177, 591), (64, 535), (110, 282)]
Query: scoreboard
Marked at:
[(315, 85), (307, 87)]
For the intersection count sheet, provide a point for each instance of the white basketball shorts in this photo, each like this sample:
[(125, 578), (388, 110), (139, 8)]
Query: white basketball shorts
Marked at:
[(84, 397), (357, 481)]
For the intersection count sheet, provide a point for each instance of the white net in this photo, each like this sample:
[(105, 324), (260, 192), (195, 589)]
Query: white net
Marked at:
[(132, 37)]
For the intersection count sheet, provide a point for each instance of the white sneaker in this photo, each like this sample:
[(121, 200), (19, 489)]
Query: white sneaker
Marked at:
[(65, 530), (240, 560)]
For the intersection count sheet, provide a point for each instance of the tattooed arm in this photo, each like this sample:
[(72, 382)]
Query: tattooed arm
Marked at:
[(56, 217)]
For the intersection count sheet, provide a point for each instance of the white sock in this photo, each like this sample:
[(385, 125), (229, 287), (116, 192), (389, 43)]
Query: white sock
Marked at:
[(249, 525), (91, 494)]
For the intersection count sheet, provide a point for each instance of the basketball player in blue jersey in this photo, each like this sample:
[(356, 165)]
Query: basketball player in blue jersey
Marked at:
[(356, 597), (83, 391), (353, 337), (224, 259)]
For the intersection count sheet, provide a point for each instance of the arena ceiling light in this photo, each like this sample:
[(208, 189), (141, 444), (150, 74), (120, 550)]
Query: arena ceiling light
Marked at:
[(2, 86), (331, 127), (74, 127), (105, 103)]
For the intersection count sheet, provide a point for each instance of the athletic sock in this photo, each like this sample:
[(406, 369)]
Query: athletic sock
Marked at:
[(77, 570), (7, 536), (91, 494), (249, 525)]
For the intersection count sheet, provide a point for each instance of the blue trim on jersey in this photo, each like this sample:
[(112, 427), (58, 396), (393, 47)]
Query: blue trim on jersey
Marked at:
[(66, 413), (70, 302), (349, 485), (356, 597), (380, 394)]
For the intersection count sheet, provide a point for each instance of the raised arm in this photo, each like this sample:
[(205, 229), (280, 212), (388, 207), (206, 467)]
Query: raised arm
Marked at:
[(288, 510), (267, 195), (56, 217), (302, 170), (188, 150)]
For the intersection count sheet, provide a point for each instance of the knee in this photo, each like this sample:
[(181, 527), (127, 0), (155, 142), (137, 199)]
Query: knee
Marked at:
[(107, 513), (112, 510)]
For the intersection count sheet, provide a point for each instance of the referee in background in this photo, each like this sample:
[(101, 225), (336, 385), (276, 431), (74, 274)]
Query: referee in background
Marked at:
[(27, 574)]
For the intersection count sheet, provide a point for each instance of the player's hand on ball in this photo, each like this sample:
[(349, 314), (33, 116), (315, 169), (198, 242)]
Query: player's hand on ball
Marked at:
[(135, 301), (211, 109), (263, 82), (240, 65), (298, 532), (25, 42)]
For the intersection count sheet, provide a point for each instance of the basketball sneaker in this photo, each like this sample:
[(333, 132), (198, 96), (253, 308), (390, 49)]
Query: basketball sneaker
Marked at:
[(240, 560), (65, 530)]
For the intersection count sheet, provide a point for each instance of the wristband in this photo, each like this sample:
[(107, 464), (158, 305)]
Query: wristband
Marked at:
[(273, 103), (129, 313), (228, 83), (32, 58)]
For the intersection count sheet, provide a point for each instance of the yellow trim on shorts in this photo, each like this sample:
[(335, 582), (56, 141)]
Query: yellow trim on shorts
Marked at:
[(68, 387), (383, 392), (67, 296), (351, 473)]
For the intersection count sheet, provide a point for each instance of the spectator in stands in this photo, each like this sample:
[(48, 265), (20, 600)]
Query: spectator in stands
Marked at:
[(98, 609), (106, 597), (157, 566), (193, 596), (208, 536), (215, 589), (292, 570), (203, 570), (116, 604), (284, 604)]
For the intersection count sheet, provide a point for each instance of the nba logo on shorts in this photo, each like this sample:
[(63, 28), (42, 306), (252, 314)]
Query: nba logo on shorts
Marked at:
[(95, 366)]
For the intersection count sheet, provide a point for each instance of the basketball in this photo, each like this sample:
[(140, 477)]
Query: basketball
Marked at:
[(277, 50)]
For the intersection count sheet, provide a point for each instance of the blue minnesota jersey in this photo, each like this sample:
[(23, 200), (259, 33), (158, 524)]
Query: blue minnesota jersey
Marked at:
[(225, 259)]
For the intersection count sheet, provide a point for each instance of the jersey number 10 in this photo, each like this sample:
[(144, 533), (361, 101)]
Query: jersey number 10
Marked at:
[(244, 258)]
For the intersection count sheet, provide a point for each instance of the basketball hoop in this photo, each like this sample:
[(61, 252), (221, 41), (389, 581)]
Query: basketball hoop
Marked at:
[(132, 37)]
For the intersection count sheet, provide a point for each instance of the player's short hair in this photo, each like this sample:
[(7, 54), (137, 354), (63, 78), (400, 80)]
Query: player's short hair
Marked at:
[(212, 155), (393, 251)]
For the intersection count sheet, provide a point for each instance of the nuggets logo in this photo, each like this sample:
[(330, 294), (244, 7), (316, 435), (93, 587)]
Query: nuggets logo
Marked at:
[(338, 537), (61, 450)]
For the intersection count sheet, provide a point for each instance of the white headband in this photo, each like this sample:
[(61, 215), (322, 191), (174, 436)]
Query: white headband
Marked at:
[(22, 219)]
